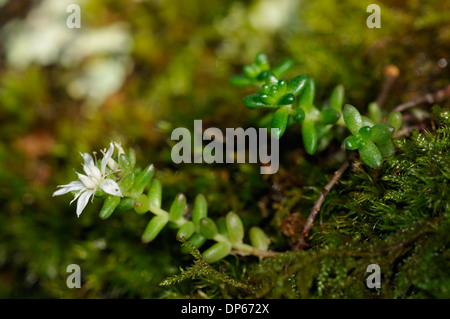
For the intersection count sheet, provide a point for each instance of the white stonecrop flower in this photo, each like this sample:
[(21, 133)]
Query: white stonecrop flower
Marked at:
[(94, 179)]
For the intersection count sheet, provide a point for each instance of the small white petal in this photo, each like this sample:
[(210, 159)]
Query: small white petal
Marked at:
[(90, 168), (72, 186), (111, 187), (113, 165), (87, 181), (119, 148), (82, 201), (106, 157)]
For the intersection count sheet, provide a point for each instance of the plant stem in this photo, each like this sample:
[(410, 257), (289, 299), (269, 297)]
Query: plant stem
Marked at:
[(158, 211), (245, 250), (317, 205), (430, 98), (391, 73)]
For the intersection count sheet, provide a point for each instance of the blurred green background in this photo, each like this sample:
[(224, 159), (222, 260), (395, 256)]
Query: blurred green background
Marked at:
[(137, 69)]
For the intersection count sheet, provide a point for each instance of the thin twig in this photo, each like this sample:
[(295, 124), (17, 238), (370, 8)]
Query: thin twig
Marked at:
[(430, 98), (317, 205), (407, 130), (391, 73)]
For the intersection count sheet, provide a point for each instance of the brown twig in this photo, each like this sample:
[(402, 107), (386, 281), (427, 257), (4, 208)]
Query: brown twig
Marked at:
[(430, 98), (407, 130), (318, 204)]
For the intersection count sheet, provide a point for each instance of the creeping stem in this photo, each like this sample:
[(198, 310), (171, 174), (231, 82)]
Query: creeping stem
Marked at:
[(318, 204)]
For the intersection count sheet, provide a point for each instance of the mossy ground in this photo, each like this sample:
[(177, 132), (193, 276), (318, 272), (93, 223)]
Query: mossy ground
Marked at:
[(183, 55)]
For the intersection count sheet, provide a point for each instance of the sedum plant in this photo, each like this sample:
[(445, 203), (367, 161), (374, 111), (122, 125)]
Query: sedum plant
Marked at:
[(295, 99), (123, 186)]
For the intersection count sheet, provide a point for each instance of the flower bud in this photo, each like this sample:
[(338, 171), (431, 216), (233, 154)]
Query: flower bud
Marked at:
[(235, 228), (258, 238), (216, 252), (154, 227), (109, 205), (141, 204)]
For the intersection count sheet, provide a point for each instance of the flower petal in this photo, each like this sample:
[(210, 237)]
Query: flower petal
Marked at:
[(119, 148), (106, 157), (72, 186), (83, 200), (87, 181), (111, 187), (90, 168)]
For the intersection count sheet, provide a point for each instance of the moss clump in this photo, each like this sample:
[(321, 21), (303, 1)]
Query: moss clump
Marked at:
[(397, 217)]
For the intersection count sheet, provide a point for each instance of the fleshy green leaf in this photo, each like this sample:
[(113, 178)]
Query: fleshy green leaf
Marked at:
[(282, 68), (306, 98), (235, 228), (375, 112), (241, 80), (109, 205), (255, 101), (371, 155), (329, 116), (216, 252), (186, 231), (142, 179), (381, 133), (258, 238), (395, 120), (141, 204), (352, 119), (337, 98), (297, 84), (208, 228), (279, 121), (177, 208), (155, 193), (200, 210), (299, 115), (309, 135), (154, 227)]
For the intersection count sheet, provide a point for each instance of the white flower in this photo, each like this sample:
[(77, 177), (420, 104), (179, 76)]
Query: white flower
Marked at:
[(94, 179)]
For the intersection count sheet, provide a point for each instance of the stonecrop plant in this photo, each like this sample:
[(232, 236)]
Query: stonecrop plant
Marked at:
[(293, 102), (124, 186)]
